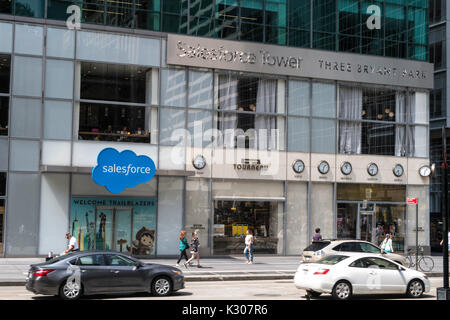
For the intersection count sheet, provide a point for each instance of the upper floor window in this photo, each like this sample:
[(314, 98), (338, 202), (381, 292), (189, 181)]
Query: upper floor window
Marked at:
[(5, 75), (382, 122), (114, 103), (248, 112)]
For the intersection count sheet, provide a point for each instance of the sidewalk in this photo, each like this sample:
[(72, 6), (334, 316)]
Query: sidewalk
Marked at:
[(13, 270)]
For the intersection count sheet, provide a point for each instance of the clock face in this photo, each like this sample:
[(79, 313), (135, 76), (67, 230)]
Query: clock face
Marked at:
[(298, 166), (324, 167), (398, 170), (199, 162), (372, 169), (425, 171), (346, 168)]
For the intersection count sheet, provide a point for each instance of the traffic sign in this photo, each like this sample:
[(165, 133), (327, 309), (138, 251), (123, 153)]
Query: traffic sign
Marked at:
[(411, 200)]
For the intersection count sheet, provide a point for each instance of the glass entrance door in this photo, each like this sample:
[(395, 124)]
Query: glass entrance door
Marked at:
[(366, 226)]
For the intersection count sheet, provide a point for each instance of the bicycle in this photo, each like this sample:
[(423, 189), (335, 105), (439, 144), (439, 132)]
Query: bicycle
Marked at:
[(425, 264)]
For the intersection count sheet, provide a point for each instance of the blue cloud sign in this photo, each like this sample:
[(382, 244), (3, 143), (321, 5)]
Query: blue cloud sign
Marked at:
[(119, 170)]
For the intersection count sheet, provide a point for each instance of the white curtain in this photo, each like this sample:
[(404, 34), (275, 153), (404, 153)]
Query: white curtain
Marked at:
[(411, 107), (228, 96), (400, 130), (350, 107), (265, 126)]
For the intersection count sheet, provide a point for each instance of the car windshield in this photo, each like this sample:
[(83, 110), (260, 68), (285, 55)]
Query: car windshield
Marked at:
[(331, 260), (317, 245)]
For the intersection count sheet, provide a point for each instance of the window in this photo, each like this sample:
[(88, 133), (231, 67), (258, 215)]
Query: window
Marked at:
[(348, 246), (2, 184), (379, 263), (332, 260), (118, 260), (92, 260), (360, 263), (369, 248), (317, 245), (114, 103), (4, 112), (5, 74), (375, 121), (248, 109)]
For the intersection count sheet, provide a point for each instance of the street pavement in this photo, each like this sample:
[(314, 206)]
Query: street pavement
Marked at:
[(13, 270), (256, 290)]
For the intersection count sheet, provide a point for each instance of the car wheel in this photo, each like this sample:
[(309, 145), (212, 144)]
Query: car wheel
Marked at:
[(313, 294), (342, 290), (70, 290), (161, 286), (415, 288)]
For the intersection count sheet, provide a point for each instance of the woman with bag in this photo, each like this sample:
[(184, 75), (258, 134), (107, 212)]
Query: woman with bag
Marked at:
[(386, 245), (195, 244), (183, 247)]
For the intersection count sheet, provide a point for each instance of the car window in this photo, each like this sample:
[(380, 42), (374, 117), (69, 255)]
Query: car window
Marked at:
[(118, 260), (350, 247), (92, 260), (369, 248), (317, 245), (57, 259), (360, 263), (332, 260), (382, 263)]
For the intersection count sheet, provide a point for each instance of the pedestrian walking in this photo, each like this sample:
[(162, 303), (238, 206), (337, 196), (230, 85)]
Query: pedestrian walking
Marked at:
[(248, 251), (183, 247), (317, 236), (195, 245), (73, 244), (442, 241), (386, 245)]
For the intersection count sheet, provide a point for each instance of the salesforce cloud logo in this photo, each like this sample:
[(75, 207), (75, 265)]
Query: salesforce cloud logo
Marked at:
[(119, 170)]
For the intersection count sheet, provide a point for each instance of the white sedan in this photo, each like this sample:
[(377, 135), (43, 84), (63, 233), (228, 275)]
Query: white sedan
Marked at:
[(346, 275)]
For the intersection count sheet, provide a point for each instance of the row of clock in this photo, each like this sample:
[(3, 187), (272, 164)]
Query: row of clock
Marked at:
[(346, 168), (298, 166)]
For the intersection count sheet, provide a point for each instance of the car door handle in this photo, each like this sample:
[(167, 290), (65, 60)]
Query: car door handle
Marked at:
[(372, 273), (115, 271), (83, 271)]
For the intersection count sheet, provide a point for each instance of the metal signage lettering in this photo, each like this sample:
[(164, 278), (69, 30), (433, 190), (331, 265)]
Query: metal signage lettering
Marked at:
[(272, 59), (251, 165)]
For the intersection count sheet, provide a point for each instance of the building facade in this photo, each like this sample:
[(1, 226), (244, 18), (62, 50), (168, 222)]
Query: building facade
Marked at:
[(262, 115), (438, 111)]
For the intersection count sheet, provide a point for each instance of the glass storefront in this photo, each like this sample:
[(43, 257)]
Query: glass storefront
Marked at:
[(120, 224), (232, 219), (2, 219), (372, 217)]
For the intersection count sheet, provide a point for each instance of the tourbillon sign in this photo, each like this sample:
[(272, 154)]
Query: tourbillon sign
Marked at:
[(272, 59), (251, 165)]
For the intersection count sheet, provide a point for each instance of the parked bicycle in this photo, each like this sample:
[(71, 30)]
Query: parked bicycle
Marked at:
[(425, 263)]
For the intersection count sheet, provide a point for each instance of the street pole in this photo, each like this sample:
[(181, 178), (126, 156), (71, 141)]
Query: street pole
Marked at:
[(444, 293), (417, 234)]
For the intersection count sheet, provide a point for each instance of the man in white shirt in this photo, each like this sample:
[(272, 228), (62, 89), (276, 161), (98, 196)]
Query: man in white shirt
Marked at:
[(73, 244)]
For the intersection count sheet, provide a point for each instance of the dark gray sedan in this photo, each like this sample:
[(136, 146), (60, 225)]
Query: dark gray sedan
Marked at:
[(101, 272)]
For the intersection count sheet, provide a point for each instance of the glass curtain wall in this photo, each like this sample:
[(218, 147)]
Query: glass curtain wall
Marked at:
[(5, 74), (341, 25)]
